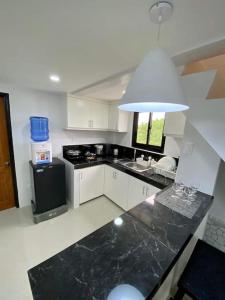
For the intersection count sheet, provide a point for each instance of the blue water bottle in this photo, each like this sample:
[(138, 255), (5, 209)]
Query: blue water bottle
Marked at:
[(39, 129)]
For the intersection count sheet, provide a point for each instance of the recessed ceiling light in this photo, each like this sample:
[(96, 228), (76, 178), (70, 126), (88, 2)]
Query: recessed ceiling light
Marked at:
[(123, 92), (54, 78)]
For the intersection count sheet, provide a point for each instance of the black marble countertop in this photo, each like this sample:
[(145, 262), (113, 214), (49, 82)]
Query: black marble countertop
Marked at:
[(146, 176), (131, 255)]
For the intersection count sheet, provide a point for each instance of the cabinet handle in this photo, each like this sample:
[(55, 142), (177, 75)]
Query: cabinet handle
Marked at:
[(146, 191), (143, 190), (90, 123)]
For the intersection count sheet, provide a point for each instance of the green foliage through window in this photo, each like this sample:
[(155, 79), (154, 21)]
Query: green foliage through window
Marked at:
[(148, 129), (142, 133), (156, 132)]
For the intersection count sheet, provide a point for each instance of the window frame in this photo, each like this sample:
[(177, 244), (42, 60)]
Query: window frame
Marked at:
[(159, 149)]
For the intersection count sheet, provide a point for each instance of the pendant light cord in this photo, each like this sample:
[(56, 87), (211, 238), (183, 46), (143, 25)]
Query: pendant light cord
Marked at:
[(158, 33), (160, 23)]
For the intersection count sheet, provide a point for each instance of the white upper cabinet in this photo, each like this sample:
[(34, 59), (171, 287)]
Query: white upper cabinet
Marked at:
[(87, 114), (99, 115), (174, 124), (118, 119), (78, 113), (125, 190), (113, 116), (91, 114)]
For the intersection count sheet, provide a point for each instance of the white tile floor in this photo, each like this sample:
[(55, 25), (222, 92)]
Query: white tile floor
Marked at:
[(24, 244)]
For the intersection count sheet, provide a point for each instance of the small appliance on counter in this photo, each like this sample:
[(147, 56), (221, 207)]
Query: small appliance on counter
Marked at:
[(48, 189), (99, 149), (115, 152), (90, 156), (74, 155)]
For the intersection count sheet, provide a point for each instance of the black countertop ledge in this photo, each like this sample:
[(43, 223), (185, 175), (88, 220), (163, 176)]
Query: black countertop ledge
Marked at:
[(146, 176), (131, 255)]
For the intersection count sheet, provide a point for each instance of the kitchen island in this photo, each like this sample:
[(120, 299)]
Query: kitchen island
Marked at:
[(133, 253)]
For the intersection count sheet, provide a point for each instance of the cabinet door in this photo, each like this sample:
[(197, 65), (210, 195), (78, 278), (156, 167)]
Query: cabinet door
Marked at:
[(137, 192), (121, 188), (75, 190), (123, 121), (99, 115), (116, 186), (109, 185), (91, 183), (78, 113), (113, 117), (174, 124), (151, 190), (118, 119)]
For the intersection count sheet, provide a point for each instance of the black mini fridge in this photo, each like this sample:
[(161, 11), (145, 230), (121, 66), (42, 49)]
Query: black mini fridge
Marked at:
[(48, 189)]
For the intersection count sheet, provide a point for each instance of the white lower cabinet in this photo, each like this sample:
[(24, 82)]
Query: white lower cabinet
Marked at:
[(116, 186), (151, 190), (123, 189), (138, 191), (91, 183)]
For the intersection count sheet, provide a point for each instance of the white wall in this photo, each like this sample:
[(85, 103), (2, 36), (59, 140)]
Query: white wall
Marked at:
[(218, 207), (198, 165), (172, 145), (27, 102), (207, 116)]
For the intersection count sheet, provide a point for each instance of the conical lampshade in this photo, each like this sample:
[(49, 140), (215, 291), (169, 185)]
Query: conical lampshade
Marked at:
[(155, 86)]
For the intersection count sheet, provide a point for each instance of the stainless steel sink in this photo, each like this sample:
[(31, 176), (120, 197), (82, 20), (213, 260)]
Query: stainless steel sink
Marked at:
[(135, 166)]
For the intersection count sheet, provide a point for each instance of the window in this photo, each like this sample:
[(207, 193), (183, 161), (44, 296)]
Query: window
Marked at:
[(148, 131)]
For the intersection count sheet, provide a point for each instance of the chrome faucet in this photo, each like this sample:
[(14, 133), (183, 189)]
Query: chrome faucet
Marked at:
[(134, 158)]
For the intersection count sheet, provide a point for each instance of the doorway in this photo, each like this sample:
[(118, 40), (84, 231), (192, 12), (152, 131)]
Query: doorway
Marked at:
[(8, 186)]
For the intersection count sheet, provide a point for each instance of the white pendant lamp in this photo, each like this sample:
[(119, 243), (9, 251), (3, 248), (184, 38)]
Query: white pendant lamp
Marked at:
[(155, 85)]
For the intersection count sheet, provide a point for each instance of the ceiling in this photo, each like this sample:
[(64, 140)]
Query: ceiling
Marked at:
[(84, 41)]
